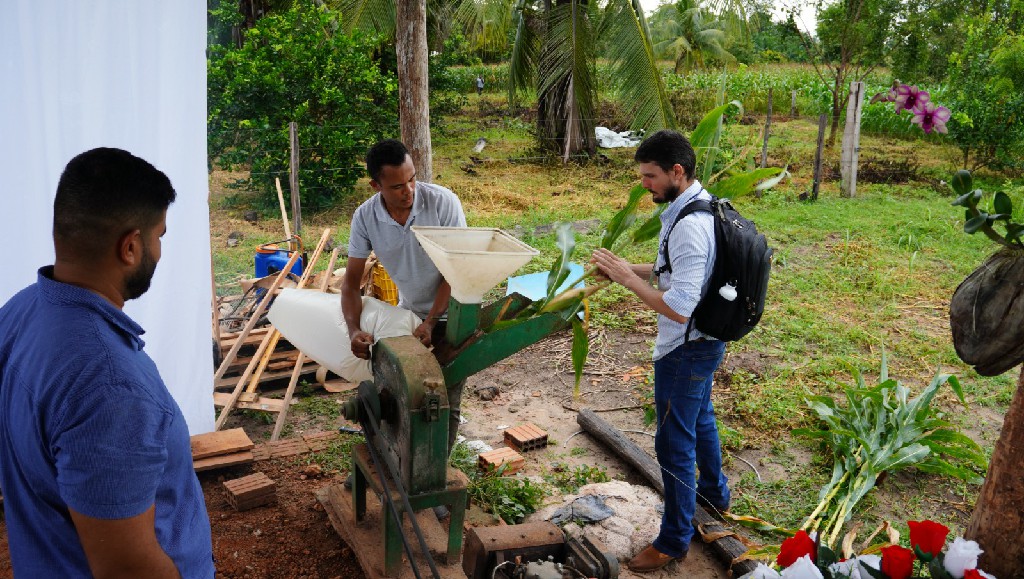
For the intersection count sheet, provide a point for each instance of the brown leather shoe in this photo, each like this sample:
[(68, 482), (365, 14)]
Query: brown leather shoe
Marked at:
[(651, 559)]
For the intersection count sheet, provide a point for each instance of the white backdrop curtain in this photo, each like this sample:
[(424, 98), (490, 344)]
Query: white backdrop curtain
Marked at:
[(131, 74)]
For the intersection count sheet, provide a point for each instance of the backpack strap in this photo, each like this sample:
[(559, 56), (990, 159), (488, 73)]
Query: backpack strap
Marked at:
[(692, 207)]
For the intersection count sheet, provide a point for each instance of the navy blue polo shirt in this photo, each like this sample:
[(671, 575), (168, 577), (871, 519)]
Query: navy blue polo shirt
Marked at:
[(87, 423)]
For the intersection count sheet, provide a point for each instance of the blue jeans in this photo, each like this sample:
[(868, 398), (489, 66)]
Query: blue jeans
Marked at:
[(687, 434)]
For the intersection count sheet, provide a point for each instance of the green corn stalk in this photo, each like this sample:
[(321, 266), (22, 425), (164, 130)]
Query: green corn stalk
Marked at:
[(882, 429)]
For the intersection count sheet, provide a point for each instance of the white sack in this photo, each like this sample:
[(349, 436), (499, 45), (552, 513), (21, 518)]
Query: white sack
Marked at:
[(311, 320)]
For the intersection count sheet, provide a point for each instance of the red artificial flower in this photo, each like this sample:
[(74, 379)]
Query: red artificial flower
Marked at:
[(795, 547), (928, 536), (972, 574), (897, 562)]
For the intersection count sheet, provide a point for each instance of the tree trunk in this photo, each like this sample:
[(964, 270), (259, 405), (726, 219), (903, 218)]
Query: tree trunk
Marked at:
[(413, 90), (999, 513), (837, 106)]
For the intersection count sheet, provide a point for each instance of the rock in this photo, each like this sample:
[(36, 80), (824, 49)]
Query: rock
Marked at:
[(487, 392), (251, 216), (629, 530), (234, 238)]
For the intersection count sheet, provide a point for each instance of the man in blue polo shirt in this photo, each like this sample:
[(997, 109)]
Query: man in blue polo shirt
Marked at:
[(95, 463), (684, 364)]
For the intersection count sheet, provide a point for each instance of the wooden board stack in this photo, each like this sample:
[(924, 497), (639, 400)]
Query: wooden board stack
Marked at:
[(251, 491), (220, 449)]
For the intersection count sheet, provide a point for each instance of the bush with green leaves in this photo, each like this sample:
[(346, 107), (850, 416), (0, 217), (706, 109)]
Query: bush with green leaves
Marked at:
[(986, 95), (298, 65)]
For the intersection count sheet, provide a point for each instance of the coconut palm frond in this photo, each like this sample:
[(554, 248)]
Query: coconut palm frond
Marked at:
[(568, 82), (636, 71), (376, 16), (525, 51)]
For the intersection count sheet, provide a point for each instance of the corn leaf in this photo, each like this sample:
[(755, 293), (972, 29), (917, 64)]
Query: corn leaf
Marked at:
[(566, 241), (623, 220), (705, 137), (745, 183), (650, 228)]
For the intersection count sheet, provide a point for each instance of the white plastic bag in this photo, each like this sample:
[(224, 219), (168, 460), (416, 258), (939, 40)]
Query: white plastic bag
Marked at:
[(311, 320)]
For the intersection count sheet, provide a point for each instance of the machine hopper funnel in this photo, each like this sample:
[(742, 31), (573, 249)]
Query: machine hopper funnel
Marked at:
[(473, 259)]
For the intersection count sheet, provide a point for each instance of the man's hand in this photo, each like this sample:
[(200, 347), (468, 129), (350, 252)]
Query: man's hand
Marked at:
[(614, 267), (361, 342), (424, 331)]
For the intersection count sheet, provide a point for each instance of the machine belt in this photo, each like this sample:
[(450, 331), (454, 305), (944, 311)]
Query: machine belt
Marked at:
[(370, 427)]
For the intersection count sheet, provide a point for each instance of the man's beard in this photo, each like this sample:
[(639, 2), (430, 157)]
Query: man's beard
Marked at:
[(138, 282), (670, 195)]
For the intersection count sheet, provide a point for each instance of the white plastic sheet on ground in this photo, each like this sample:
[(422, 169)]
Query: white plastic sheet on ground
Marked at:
[(609, 139), (311, 320)]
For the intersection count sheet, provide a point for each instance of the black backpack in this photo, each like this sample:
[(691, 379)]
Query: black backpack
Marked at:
[(743, 260)]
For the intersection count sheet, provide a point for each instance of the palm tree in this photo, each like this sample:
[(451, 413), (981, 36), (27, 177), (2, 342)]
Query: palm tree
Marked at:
[(681, 31), (554, 53)]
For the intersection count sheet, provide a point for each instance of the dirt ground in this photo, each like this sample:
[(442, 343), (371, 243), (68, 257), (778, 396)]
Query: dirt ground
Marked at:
[(294, 539)]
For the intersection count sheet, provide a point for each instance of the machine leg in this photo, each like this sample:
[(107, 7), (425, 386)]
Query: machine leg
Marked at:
[(455, 522), (358, 491), (392, 541)]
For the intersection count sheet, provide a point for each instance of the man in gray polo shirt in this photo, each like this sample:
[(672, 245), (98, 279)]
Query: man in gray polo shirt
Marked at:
[(382, 225)]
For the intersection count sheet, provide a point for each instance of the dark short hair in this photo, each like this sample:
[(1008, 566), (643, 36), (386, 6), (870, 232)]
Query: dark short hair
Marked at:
[(104, 193), (667, 148), (390, 152)]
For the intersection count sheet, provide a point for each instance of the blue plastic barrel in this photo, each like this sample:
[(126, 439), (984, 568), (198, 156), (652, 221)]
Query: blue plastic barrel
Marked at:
[(271, 259)]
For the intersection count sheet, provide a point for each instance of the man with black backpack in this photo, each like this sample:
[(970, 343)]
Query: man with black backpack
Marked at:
[(685, 359)]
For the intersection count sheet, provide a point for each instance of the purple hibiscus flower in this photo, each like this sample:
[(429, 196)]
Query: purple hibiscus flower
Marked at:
[(930, 117), (909, 98)]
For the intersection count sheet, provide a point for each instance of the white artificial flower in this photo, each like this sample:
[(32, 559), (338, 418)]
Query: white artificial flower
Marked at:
[(960, 556), (803, 568), (762, 572), (852, 570)]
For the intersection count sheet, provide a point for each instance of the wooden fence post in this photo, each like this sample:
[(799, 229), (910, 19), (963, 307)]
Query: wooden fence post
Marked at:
[(822, 121), (293, 177), (767, 128), (851, 140), (792, 104)]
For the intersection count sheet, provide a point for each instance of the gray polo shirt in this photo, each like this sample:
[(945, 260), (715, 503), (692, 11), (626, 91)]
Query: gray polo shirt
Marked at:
[(373, 229)]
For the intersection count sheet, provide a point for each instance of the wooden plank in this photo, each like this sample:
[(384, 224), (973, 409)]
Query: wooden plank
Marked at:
[(253, 319), (365, 537), (339, 385), (308, 368), (222, 461), (262, 403), (220, 442)]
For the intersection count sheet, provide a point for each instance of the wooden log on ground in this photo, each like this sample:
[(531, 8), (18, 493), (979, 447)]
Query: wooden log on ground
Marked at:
[(726, 546)]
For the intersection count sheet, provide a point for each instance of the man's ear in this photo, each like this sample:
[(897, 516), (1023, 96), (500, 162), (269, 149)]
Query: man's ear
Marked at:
[(375, 185), (129, 247), (679, 173)]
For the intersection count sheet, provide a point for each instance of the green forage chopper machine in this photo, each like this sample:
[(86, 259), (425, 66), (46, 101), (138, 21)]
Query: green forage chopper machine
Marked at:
[(405, 409)]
